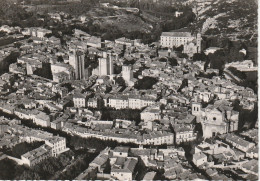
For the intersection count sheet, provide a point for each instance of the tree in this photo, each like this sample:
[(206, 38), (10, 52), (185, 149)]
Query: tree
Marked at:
[(217, 60), (17, 45), (24, 147), (91, 61), (100, 103), (163, 59), (60, 59), (146, 83), (29, 175), (237, 73), (182, 55), (123, 51), (207, 75), (45, 71), (117, 69), (46, 110), (120, 81), (162, 107), (234, 55), (2, 34), (48, 35), (4, 64), (183, 85), (199, 57), (7, 169), (129, 114), (172, 61), (68, 86), (179, 48), (175, 23), (214, 31), (224, 43), (129, 62)]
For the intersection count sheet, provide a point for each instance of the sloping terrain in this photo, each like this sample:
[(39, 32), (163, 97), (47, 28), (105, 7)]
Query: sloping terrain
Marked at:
[(236, 18), (120, 19)]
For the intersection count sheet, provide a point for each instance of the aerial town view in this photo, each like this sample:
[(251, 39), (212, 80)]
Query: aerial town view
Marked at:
[(128, 90)]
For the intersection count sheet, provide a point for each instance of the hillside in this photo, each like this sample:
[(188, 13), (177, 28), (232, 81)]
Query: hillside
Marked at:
[(115, 20), (119, 19), (231, 18), (234, 19)]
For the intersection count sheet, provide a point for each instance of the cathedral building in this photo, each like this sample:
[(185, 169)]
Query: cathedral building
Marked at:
[(219, 118)]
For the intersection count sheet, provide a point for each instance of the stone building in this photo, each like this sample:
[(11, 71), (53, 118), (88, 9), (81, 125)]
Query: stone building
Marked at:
[(193, 46), (191, 42), (216, 119)]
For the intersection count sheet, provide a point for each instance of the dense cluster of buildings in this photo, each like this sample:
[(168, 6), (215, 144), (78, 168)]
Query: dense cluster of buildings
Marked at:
[(236, 153), (127, 163), (72, 87), (12, 133)]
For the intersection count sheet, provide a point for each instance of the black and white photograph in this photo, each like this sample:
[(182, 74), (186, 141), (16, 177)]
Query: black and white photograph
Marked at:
[(129, 90)]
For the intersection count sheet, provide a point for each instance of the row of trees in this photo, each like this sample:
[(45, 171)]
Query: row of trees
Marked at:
[(98, 145), (129, 114), (90, 143)]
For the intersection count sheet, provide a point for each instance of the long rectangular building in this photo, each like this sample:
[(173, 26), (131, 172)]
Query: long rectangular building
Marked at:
[(176, 38)]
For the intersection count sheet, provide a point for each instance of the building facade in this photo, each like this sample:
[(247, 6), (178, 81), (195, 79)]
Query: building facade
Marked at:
[(77, 61), (216, 119), (190, 48), (105, 65), (127, 73), (191, 43), (35, 156), (80, 100)]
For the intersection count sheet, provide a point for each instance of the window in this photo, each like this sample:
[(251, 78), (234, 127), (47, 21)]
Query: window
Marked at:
[(214, 118)]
